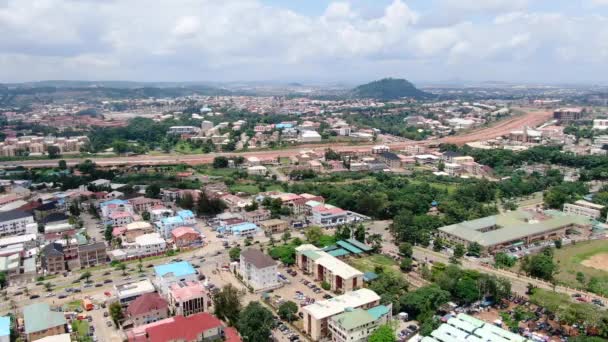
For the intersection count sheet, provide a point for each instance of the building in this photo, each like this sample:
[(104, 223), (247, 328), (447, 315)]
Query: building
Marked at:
[(57, 338), (128, 292), (142, 204), (119, 218), (328, 216), (147, 308), (186, 237), (515, 228), (169, 274), (324, 267), (199, 327), (568, 115), (92, 254), (181, 218), (463, 327), (243, 229), (143, 246), (390, 159), (5, 329), (137, 228), (259, 271), (188, 298), (179, 130), (17, 222), (274, 226), (40, 321), (257, 170), (257, 215), (356, 325), (53, 258), (584, 208), (10, 264), (310, 137), (317, 315)]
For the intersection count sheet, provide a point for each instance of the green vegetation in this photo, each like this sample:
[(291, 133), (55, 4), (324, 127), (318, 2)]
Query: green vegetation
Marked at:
[(573, 273), (227, 303), (388, 89), (81, 328), (288, 311), (540, 265), (372, 263), (384, 333), (255, 323)]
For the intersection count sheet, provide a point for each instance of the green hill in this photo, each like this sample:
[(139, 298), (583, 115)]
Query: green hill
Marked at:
[(389, 89)]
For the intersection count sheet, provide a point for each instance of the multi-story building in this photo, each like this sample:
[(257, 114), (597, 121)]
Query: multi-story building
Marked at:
[(169, 274), (17, 222), (273, 226), (143, 246), (141, 204), (5, 329), (147, 308), (40, 321), (258, 270), (119, 218), (92, 254), (324, 267), (137, 228), (198, 327), (186, 237), (356, 325), (317, 315), (584, 208), (128, 292), (53, 258), (256, 216), (390, 159), (178, 130), (326, 215), (568, 115), (181, 218), (188, 298)]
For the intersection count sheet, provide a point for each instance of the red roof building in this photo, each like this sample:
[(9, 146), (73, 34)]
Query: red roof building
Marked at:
[(147, 308), (198, 327)]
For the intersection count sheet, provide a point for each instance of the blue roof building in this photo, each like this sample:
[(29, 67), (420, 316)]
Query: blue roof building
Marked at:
[(172, 273), (244, 229), (185, 214), (114, 201)]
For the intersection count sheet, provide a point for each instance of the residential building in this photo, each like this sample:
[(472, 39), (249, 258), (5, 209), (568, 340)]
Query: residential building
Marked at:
[(310, 137), (158, 213), (198, 327), (568, 115), (53, 258), (584, 208), (5, 329), (169, 274), (186, 237), (10, 264), (274, 226), (92, 254), (147, 308), (141, 204), (115, 205), (244, 229), (514, 228), (256, 216), (188, 298), (356, 325), (143, 246), (600, 124), (128, 292), (119, 218), (40, 321), (182, 218), (137, 228), (390, 159), (17, 222), (324, 267), (179, 130), (328, 215), (463, 327), (259, 271), (317, 315), (257, 170)]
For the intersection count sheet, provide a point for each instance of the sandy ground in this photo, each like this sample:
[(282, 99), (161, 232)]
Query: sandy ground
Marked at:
[(598, 261)]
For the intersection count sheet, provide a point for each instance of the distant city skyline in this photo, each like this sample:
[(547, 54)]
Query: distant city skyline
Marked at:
[(425, 41)]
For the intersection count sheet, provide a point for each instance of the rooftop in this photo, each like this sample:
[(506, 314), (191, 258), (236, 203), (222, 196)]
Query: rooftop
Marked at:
[(257, 258), (135, 288), (39, 317), (13, 215), (466, 328), (146, 303), (177, 269), (184, 291), (5, 326), (330, 307), (511, 226)]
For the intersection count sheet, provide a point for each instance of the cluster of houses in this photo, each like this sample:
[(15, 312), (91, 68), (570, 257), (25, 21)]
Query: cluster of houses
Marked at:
[(38, 146)]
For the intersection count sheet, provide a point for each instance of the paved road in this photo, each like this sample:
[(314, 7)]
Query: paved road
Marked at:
[(530, 118)]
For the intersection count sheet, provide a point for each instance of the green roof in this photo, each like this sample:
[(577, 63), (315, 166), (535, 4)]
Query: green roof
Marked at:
[(39, 317), (359, 245), (512, 226), (378, 311), (338, 252), (349, 247), (311, 254), (352, 319)]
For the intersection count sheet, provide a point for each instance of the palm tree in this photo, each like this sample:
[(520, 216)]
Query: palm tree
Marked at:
[(48, 287), (140, 266), (123, 268)]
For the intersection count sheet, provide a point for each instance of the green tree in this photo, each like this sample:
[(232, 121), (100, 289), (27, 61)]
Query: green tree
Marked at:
[(288, 311), (383, 333), (437, 244), (235, 253), (62, 165), (140, 266), (286, 236), (475, 249), (186, 201), (503, 260), (75, 209), (359, 233), (116, 312), (375, 240), (3, 280), (424, 300), (86, 276), (220, 162), (48, 287), (540, 265), (145, 216), (459, 251), (580, 277), (255, 323), (558, 243), (153, 191), (227, 304), (325, 286), (406, 249), (53, 152), (406, 264), (108, 233), (122, 267), (313, 235)]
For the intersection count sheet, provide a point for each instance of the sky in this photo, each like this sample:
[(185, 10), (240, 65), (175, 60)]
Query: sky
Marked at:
[(532, 41)]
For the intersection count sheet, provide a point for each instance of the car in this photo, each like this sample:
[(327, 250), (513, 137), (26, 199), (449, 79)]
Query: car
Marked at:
[(34, 296), (98, 285), (77, 290), (576, 295), (50, 294), (107, 273), (89, 318), (88, 285), (107, 281), (108, 324), (61, 296), (327, 296)]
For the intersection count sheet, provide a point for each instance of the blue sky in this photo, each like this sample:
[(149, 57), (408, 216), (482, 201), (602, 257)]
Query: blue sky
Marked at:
[(539, 41)]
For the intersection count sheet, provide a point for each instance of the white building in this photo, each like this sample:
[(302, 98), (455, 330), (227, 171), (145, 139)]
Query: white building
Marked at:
[(144, 245), (584, 208), (356, 325), (257, 170), (183, 130), (601, 124), (173, 273), (258, 270), (310, 136), (17, 222), (126, 293)]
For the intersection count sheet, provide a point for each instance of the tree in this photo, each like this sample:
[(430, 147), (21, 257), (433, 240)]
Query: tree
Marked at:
[(48, 287), (75, 209), (227, 304), (558, 243), (459, 251), (580, 277), (255, 323), (286, 236), (122, 267), (186, 201), (62, 165), (424, 300), (3, 280), (406, 264), (437, 244), (375, 240), (359, 233), (475, 249), (503, 260), (406, 249), (145, 216), (153, 191), (140, 266), (325, 286), (207, 206), (313, 235), (384, 333), (288, 311), (220, 162), (53, 152), (86, 276), (116, 312), (108, 233), (540, 265), (235, 253)]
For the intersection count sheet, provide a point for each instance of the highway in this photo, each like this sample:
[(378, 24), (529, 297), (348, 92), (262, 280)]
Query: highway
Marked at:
[(530, 118)]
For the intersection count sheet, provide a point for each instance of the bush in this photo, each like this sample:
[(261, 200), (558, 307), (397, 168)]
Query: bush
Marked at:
[(325, 286)]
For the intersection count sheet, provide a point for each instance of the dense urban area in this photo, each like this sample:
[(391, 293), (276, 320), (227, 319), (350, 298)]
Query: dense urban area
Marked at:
[(160, 212)]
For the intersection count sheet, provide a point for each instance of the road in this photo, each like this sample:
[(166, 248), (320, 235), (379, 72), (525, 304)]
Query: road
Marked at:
[(530, 118)]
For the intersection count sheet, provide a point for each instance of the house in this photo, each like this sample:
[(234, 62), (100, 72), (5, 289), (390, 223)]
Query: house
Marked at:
[(159, 212), (188, 298), (274, 226), (128, 292), (169, 274), (186, 237), (324, 267), (115, 205), (244, 229), (5, 329), (143, 246), (198, 327), (53, 258), (119, 218), (17, 222), (45, 209), (328, 216), (40, 321), (92, 254), (317, 315), (259, 271), (141, 204), (257, 170), (147, 308), (356, 325), (256, 216), (390, 159), (137, 228), (584, 208)]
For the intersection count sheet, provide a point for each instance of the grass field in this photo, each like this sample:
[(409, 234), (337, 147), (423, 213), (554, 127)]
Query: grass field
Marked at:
[(369, 263), (252, 188), (571, 257)]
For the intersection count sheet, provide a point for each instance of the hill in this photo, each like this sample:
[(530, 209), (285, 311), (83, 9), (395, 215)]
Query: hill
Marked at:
[(389, 89)]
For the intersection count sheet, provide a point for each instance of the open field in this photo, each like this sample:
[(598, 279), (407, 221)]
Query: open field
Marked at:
[(252, 188), (370, 262), (582, 257)]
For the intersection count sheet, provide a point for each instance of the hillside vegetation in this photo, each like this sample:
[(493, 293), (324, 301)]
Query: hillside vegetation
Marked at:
[(389, 89)]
